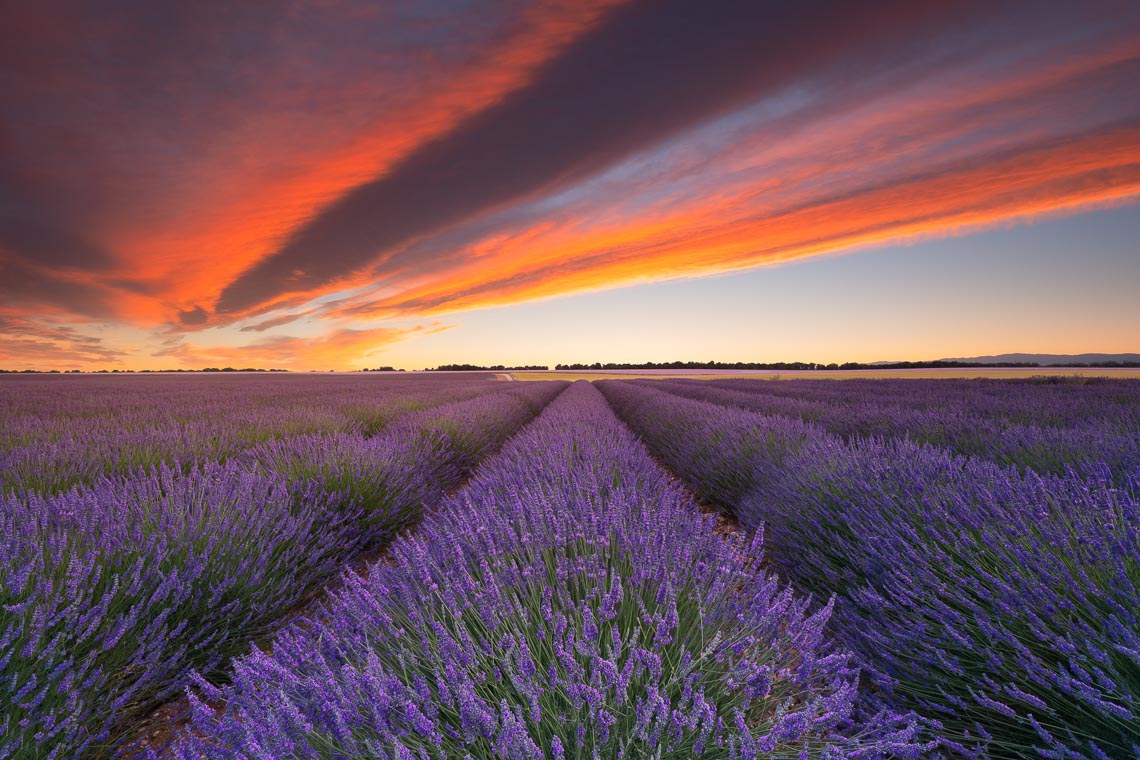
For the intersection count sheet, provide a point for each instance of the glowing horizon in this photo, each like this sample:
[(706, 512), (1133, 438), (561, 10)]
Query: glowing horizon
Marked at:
[(355, 185)]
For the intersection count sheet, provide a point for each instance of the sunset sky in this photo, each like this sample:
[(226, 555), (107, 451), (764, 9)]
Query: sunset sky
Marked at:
[(340, 184)]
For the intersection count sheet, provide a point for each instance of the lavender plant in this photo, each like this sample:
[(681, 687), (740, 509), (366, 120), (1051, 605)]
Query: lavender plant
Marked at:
[(111, 594), (389, 478), (1044, 427), (570, 602), (1056, 401), (1002, 604), (1006, 605)]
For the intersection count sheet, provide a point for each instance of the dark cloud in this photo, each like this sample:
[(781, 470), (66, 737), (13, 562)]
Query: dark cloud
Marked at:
[(94, 94), (193, 317), (833, 221), (115, 114), (653, 69), (23, 284), (35, 227), (37, 236)]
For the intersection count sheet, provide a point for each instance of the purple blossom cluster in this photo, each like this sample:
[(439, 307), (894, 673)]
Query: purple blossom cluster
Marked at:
[(112, 592), (1004, 605), (1047, 427), (570, 601)]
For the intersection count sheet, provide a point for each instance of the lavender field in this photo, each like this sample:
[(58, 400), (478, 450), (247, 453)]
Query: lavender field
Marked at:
[(440, 565)]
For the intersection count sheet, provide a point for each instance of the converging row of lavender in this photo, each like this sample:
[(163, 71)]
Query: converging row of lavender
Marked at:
[(1004, 605), (114, 591), (1047, 425), (56, 432)]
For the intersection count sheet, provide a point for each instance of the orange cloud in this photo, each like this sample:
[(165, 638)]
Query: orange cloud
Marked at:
[(197, 148), (45, 344), (344, 347), (273, 170), (941, 154), (777, 221)]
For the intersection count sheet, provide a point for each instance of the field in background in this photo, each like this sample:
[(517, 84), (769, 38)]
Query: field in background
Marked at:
[(839, 374)]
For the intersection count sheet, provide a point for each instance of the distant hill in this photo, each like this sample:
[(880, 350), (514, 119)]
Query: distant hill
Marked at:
[(1045, 360)]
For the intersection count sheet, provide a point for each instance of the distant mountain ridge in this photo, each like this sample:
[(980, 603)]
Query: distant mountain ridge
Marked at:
[(1045, 360)]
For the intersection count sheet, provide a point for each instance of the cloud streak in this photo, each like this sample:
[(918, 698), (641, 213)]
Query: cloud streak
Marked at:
[(651, 70), (344, 347), (859, 177), (31, 344), (163, 150)]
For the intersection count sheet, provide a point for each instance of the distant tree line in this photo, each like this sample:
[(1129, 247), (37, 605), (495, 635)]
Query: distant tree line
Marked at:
[(629, 365), (225, 369), (492, 368), (816, 365)]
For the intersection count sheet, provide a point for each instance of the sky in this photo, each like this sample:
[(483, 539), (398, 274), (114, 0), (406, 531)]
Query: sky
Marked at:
[(340, 184)]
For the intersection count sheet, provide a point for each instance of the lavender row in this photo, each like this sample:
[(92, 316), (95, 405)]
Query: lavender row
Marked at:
[(113, 593), (1055, 401), (571, 601), (1111, 441), (56, 432), (1006, 606)]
